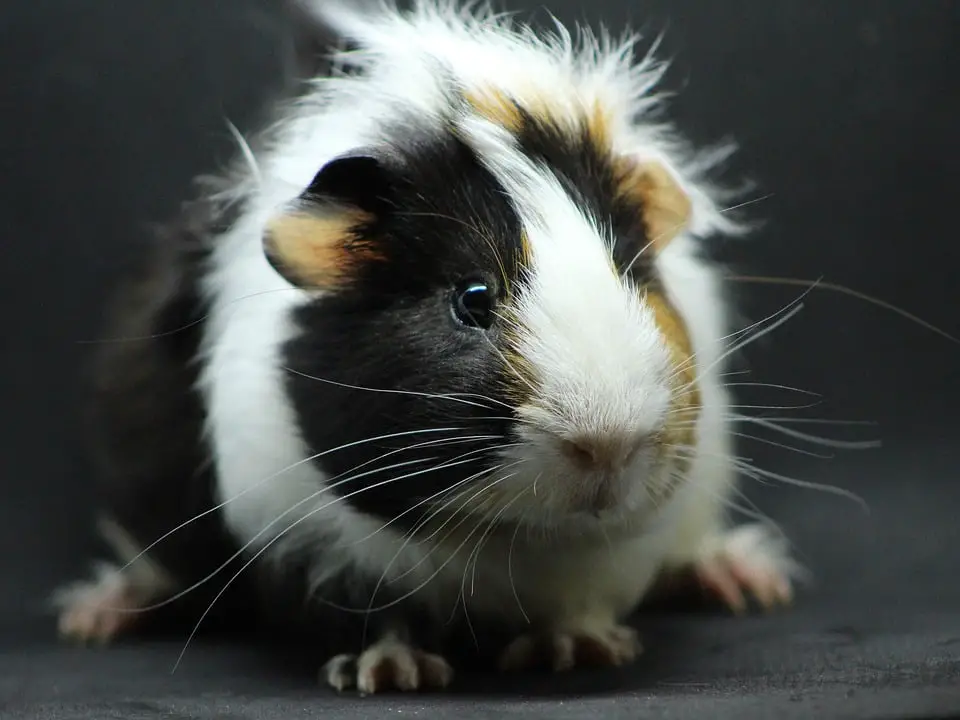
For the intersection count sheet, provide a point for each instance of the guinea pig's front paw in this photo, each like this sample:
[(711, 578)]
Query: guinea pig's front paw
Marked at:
[(571, 647), (387, 665), (747, 560)]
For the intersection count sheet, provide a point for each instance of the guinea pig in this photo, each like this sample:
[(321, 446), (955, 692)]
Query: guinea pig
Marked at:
[(439, 359)]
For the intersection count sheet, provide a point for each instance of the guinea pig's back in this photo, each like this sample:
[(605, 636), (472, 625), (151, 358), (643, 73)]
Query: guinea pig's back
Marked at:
[(147, 417)]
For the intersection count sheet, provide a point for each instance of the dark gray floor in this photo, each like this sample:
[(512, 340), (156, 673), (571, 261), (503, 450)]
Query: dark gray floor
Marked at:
[(876, 636)]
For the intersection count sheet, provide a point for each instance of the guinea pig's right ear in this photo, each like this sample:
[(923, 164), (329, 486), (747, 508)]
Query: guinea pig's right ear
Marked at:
[(666, 206), (321, 240)]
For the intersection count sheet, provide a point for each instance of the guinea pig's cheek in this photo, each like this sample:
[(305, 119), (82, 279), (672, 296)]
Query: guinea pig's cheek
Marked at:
[(679, 435)]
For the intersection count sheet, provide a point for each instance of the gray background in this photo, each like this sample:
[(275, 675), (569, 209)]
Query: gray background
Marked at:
[(847, 113)]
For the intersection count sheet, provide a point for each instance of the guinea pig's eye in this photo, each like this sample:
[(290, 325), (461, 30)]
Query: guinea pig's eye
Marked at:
[(473, 305)]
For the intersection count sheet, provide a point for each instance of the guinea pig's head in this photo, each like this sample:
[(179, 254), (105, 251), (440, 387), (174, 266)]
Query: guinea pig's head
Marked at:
[(487, 335)]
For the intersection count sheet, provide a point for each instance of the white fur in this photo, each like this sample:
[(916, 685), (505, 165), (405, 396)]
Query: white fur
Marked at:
[(602, 367), (591, 339)]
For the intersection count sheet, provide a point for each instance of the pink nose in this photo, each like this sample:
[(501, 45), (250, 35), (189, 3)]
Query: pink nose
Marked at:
[(603, 452)]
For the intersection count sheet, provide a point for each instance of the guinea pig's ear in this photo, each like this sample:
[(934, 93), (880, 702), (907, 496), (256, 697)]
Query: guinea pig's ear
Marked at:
[(666, 208), (359, 179), (320, 240)]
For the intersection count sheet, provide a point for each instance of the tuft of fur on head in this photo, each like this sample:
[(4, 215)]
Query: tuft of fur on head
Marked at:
[(409, 60)]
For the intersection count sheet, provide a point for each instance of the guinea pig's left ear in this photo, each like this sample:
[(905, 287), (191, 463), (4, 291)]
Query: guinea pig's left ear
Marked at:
[(320, 240), (665, 206)]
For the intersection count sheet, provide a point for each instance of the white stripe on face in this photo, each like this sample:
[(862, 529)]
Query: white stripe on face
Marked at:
[(599, 359)]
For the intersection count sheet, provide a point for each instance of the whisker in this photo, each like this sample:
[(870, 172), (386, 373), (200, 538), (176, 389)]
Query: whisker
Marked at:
[(485, 537), (472, 227), (456, 397), (753, 512), (285, 531), (325, 488), (759, 473), (751, 339), (810, 421), (665, 233), (409, 536), (434, 497), (461, 595), (475, 555), (775, 320), (513, 542), (436, 572), (744, 467), (535, 481), (275, 475), (186, 326), (826, 442), (842, 289), (505, 361), (772, 386), (772, 316), (691, 451), (640, 252), (440, 510), (693, 411), (745, 203), (782, 446), (247, 152), (733, 373), (789, 420)]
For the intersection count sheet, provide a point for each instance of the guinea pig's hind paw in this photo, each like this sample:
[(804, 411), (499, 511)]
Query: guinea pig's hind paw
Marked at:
[(387, 665), (99, 610), (563, 650), (747, 560)]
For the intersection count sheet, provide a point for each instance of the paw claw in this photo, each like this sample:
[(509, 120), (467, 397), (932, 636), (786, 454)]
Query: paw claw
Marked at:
[(746, 561), (566, 649), (340, 672), (387, 665)]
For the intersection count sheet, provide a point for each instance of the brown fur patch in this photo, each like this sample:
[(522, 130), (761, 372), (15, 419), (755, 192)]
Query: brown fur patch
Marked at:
[(520, 377), (497, 107), (315, 250), (501, 109), (526, 251), (598, 127), (685, 405), (666, 207)]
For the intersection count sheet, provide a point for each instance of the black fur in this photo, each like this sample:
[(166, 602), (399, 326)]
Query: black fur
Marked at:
[(319, 623), (444, 220), (441, 219), (147, 418), (588, 173)]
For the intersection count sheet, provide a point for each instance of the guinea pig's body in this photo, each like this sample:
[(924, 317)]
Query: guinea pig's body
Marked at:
[(453, 374)]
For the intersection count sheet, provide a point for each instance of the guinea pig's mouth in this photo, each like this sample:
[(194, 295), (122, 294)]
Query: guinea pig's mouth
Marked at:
[(610, 500), (605, 498), (542, 487)]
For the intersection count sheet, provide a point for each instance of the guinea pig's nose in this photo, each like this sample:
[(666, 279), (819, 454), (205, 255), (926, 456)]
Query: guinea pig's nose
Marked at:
[(602, 452)]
